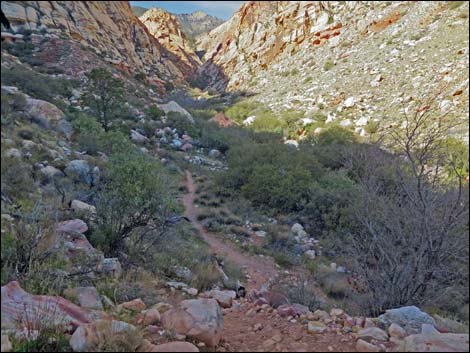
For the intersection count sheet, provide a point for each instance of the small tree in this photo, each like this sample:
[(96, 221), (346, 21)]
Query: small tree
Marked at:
[(136, 195), (104, 95)]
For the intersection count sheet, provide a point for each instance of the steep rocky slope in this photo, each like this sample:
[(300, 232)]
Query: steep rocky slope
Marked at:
[(138, 10), (197, 23), (350, 61), (107, 28), (165, 27)]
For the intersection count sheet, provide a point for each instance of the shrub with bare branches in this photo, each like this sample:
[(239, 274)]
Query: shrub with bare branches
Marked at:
[(411, 243)]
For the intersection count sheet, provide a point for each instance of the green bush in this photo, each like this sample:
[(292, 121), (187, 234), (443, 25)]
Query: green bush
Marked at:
[(37, 85), (136, 194), (154, 112)]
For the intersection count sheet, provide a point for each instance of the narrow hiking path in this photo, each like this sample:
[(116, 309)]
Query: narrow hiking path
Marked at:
[(260, 270), (255, 329)]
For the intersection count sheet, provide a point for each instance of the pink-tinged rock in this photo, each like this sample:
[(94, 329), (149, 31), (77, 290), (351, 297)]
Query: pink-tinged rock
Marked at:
[(444, 342), (372, 333), (73, 225), (148, 317), (254, 295), (363, 346), (92, 337), (198, 318), (300, 309), (89, 298), (136, 305), (261, 302), (18, 306), (224, 298), (176, 347), (186, 147), (293, 310)]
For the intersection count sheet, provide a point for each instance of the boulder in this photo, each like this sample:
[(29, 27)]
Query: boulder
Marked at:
[(83, 207), (296, 228), (429, 330), (70, 244), (42, 111), (172, 106), (112, 266), (173, 347), (49, 173), (136, 305), (138, 137), (148, 317), (224, 298), (396, 331), (215, 153), (445, 342), (80, 171), (198, 318), (13, 153), (315, 327), (336, 312), (287, 310), (410, 318), (372, 333), (92, 337), (186, 147), (89, 298), (222, 120), (18, 306), (310, 254), (363, 346), (73, 225), (321, 315)]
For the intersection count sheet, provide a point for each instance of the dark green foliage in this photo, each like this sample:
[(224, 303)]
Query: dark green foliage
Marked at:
[(154, 112), (136, 194), (104, 95), (37, 85)]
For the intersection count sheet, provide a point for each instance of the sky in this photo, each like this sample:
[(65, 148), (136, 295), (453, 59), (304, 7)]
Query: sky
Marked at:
[(221, 9)]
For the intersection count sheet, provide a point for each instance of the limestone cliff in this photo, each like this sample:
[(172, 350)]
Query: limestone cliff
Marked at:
[(166, 29), (108, 28)]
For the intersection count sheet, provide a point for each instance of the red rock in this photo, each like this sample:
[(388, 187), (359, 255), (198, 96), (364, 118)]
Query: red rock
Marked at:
[(73, 225), (222, 120), (135, 305), (198, 318), (19, 306)]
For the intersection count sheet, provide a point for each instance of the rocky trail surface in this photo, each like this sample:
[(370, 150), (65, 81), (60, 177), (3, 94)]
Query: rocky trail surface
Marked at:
[(250, 328)]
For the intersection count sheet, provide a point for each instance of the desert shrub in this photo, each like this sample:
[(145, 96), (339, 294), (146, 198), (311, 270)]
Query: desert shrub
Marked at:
[(413, 224), (37, 85), (154, 112), (182, 124), (242, 110), (206, 276), (267, 123), (283, 259), (328, 65), (135, 194)]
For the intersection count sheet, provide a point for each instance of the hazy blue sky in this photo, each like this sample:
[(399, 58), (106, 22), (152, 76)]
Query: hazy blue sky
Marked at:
[(221, 9)]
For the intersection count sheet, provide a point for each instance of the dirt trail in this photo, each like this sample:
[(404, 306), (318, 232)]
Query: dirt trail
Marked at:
[(259, 269), (272, 333)]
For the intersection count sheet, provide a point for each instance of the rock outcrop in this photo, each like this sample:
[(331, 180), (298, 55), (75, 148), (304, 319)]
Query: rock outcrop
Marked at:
[(20, 308), (165, 27), (198, 318), (108, 28), (352, 62), (197, 23)]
